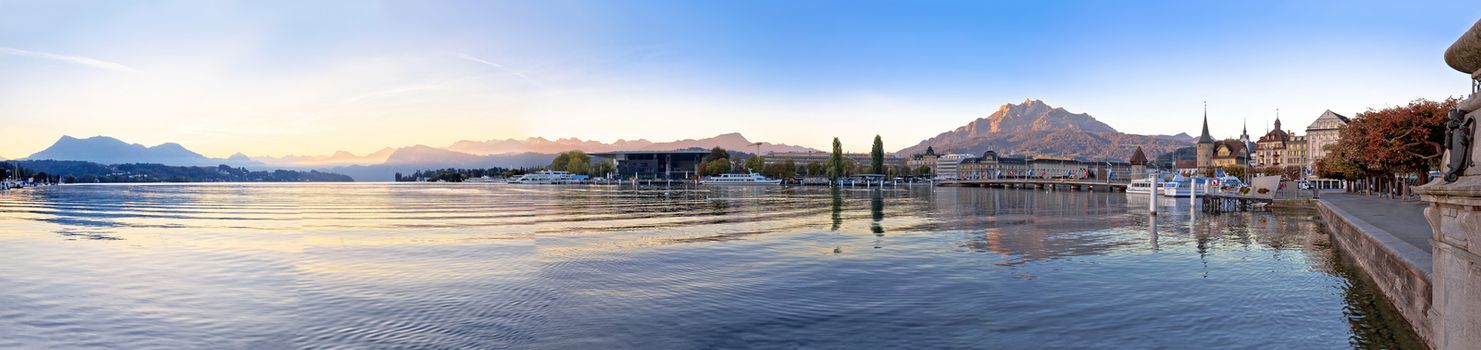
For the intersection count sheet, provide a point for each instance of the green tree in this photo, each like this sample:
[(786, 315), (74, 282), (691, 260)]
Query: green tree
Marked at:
[(835, 162), (923, 170), (576, 162), (560, 162), (716, 153), (775, 171), (789, 169), (876, 156), (814, 168), (755, 163), (715, 167)]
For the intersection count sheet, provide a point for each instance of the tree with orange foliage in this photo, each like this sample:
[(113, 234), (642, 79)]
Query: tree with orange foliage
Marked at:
[(1397, 140)]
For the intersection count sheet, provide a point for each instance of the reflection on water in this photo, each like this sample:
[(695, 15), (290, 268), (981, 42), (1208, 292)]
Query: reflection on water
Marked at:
[(476, 265)]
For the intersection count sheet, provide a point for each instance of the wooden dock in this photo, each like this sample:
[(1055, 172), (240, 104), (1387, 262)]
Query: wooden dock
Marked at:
[(1072, 184), (1227, 202)]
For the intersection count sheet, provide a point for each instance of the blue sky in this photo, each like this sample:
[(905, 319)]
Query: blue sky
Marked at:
[(275, 78)]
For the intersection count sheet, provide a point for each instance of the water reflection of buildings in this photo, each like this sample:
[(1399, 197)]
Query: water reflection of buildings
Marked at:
[(1026, 225)]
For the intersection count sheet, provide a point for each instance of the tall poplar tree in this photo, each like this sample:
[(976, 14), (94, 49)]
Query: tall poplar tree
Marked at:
[(876, 156), (835, 162)]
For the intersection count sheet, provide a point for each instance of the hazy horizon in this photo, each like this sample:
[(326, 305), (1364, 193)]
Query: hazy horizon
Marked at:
[(280, 78)]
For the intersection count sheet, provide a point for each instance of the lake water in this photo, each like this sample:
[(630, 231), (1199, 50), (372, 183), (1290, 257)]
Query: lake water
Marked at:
[(502, 266)]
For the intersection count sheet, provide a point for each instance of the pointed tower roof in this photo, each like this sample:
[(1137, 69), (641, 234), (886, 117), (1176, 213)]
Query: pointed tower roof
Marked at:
[(1138, 158), (1205, 138), (1277, 119)]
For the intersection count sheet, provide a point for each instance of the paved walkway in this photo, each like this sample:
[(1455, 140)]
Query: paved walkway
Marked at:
[(1403, 220)]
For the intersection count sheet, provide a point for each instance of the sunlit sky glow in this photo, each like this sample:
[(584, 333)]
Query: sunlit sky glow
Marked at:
[(313, 77)]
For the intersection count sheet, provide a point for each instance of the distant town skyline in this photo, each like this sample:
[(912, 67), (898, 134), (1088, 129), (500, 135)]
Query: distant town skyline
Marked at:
[(278, 78)]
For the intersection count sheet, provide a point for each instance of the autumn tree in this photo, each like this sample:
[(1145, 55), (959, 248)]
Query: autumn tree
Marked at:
[(1337, 164), (1400, 139), (1292, 172)]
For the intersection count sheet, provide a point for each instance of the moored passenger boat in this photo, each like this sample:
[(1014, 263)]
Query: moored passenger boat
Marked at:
[(739, 179)]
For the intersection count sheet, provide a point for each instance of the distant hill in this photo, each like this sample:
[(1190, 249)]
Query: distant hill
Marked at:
[(339, 158), (108, 150), (730, 141), (410, 159), (91, 172), (1037, 129)]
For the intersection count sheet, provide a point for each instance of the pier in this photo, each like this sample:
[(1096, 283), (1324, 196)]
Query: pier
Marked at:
[(1226, 202), (1072, 184)]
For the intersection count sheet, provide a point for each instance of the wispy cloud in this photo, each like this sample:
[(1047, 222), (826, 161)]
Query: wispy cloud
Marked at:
[(78, 60), (499, 67)]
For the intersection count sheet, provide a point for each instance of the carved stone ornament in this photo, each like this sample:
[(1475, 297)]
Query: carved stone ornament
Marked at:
[(1459, 130)]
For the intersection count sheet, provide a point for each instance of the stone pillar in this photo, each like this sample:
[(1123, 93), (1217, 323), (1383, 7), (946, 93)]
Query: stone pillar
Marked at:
[(1454, 215)]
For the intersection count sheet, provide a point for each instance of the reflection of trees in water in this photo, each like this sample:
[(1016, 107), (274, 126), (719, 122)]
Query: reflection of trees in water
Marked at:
[(837, 208), (876, 212)]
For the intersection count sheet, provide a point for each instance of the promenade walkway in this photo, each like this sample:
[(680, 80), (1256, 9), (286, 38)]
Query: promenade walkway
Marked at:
[(1402, 219), (1400, 224)]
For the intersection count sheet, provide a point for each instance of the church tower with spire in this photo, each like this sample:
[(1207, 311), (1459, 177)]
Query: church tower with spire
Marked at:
[(1205, 146)]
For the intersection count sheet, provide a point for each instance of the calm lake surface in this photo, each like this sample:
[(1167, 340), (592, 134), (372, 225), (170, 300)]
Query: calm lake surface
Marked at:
[(505, 266)]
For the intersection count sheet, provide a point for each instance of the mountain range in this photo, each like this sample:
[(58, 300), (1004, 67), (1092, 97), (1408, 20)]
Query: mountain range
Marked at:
[(382, 164), (1034, 128), (339, 158), (108, 150), (731, 141), (1030, 128)]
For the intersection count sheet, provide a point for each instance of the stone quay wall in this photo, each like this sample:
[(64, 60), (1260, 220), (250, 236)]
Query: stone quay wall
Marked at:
[(1405, 283)]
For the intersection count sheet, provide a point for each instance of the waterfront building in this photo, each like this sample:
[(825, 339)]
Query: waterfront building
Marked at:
[(992, 166), (1296, 151), (1271, 149), (1228, 153), (1187, 167), (801, 159), (1325, 131), (1058, 167), (927, 159), (656, 165), (947, 166)]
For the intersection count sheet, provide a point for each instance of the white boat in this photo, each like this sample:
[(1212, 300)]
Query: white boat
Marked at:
[(1184, 187), (739, 179), (1140, 186), (546, 177), (482, 179)]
